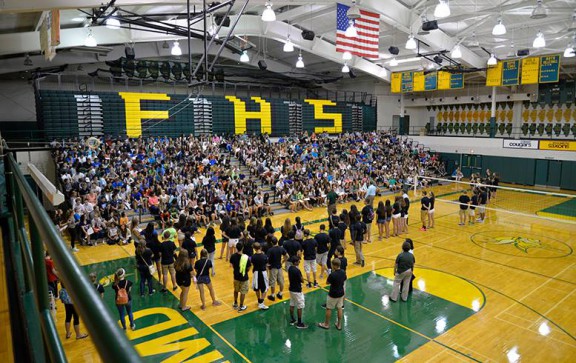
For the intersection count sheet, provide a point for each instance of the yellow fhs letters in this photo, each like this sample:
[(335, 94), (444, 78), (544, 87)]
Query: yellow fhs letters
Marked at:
[(134, 113), (319, 114), (241, 116)]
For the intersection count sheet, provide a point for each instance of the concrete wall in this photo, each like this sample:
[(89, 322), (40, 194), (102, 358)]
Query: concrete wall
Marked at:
[(17, 101)]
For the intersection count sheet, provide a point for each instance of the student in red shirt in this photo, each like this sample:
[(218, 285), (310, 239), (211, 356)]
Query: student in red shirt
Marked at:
[(52, 275)]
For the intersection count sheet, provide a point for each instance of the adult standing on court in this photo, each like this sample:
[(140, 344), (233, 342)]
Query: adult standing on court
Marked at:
[(167, 250), (70, 313), (424, 209), (331, 199), (432, 199), (184, 274), (335, 299), (368, 218), (482, 200), (404, 212), (403, 272), (371, 194), (202, 272), (360, 229), (240, 265), (464, 201), (323, 241), (234, 233), (396, 216), (209, 243), (335, 236), (143, 262), (292, 247), (309, 246)]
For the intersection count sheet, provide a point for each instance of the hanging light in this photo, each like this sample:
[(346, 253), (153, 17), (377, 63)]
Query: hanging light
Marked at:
[(456, 52), (345, 68), (539, 41), (499, 28), (300, 61), (112, 23), (353, 11), (346, 55), (176, 50), (411, 43), (90, 41), (165, 45), (569, 51), (393, 62), (288, 46), (244, 57), (540, 11), (442, 10), (351, 31), (492, 61), (268, 14)]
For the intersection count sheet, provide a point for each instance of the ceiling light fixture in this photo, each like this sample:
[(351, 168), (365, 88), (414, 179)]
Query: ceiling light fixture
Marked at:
[(165, 45), (268, 14), (353, 11), (176, 50), (456, 52), (424, 20), (539, 41), (300, 61), (492, 61), (442, 10), (345, 68), (288, 46), (499, 28), (244, 58), (540, 11), (351, 31), (411, 43), (393, 62), (112, 23), (569, 51), (346, 55), (90, 41)]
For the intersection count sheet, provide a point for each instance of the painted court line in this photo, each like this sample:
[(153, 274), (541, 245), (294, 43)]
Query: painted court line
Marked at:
[(407, 328)]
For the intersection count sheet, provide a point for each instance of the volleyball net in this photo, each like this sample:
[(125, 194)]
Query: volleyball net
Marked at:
[(518, 201)]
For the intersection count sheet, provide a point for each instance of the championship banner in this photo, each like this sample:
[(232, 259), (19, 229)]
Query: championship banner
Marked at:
[(530, 69), (557, 145)]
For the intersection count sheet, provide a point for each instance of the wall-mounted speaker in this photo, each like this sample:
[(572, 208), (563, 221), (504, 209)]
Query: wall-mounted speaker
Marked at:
[(523, 52), (262, 65), (351, 73), (430, 25), (394, 50), (221, 20)]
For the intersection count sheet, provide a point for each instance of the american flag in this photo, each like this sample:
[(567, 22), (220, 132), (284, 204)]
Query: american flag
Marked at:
[(368, 28)]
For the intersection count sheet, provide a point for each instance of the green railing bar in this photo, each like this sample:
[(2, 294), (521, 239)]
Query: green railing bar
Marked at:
[(111, 343)]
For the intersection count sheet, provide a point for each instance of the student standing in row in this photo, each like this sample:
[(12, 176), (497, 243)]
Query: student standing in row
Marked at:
[(209, 243), (424, 209), (70, 313), (367, 218), (143, 262), (202, 272), (309, 246), (296, 296), (432, 199), (360, 229), (167, 251), (240, 265), (335, 299), (464, 201), (403, 272), (323, 245), (123, 298), (260, 279), (183, 277), (275, 256)]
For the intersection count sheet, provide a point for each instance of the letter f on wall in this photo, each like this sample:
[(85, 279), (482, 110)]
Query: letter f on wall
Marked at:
[(134, 113)]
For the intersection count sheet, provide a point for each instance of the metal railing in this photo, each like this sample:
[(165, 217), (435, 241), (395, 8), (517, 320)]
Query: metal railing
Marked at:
[(31, 320)]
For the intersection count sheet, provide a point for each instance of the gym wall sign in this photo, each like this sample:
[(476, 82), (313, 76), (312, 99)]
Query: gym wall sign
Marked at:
[(519, 144), (557, 145)]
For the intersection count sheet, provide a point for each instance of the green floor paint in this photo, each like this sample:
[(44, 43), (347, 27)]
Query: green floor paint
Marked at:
[(265, 336), (161, 300), (567, 208)]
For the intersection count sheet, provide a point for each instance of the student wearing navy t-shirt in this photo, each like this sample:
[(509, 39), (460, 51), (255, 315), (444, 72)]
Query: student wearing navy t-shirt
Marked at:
[(335, 299)]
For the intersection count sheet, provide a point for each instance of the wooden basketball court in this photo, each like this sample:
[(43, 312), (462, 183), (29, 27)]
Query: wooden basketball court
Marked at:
[(502, 290)]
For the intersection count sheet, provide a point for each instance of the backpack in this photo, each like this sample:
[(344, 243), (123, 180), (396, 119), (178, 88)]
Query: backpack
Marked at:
[(299, 233), (122, 295)]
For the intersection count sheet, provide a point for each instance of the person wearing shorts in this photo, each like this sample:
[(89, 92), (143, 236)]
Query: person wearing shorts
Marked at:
[(295, 280), (240, 265), (425, 207), (464, 201), (335, 299), (260, 280), (309, 246), (167, 250), (275, 256), (322, 248), (432, 198)]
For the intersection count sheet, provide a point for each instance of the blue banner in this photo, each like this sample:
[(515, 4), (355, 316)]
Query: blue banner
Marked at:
[(457, 81), (431, 81), (550, 68), (511, 72)]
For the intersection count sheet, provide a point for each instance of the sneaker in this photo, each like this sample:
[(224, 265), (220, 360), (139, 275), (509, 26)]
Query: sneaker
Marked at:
[(242, 308), (323, 306), (423, 229), (292, 322), (163, 291), (271, 298), (308, 285), (175, 288), (263, 307), (357, 263), (279, 295), (301, 326), (133, 326), (235, 306), (75, 249), (315, 284), (363, 263), (460, 224)]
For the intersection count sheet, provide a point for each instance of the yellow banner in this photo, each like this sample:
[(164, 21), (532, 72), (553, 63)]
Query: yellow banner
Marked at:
[(396, 82), (443, 80), (558, 145), (494, 75), (419, 81), (530, 70)]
